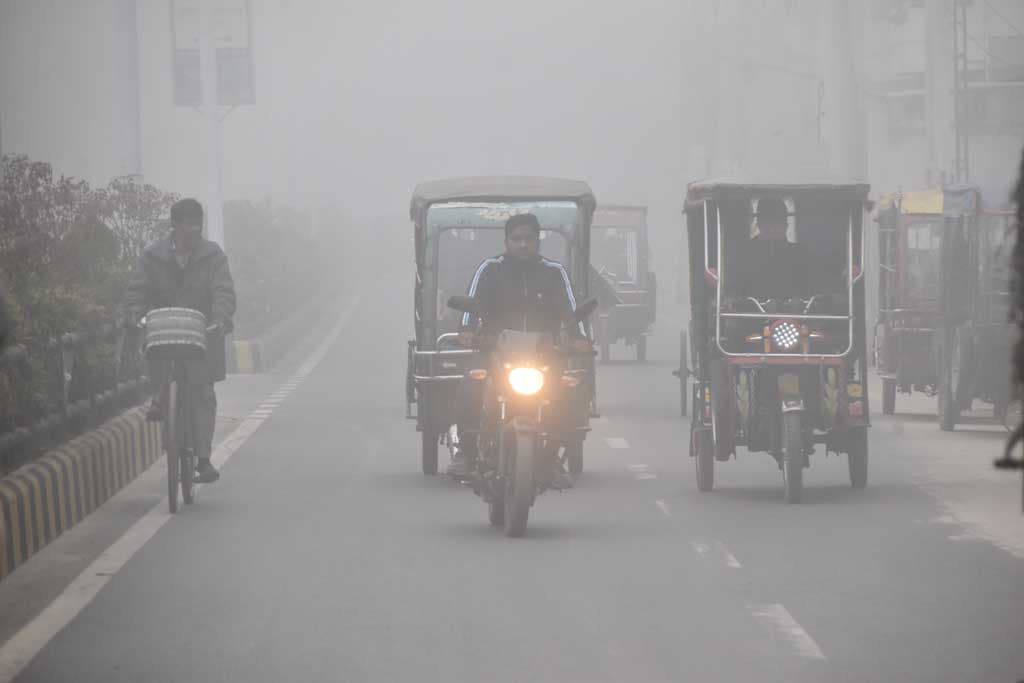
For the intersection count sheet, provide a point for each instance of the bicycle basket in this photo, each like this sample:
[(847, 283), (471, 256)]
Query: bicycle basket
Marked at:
[(175, 334)]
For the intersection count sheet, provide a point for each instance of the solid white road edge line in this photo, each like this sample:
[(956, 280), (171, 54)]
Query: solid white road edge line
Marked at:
[(22, 648), (778, 620)]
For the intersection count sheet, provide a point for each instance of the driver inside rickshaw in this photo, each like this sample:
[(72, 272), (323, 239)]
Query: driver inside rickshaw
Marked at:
[(516, 290), (772, 266)]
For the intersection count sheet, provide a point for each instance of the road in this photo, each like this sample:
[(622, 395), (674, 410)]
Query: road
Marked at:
[(324, 555)]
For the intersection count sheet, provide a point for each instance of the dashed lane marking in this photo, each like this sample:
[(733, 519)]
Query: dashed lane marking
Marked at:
[(616, 443), (781, 623), (663, 506)]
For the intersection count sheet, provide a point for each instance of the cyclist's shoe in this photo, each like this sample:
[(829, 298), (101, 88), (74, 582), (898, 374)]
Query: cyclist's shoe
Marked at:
[(206, 472)]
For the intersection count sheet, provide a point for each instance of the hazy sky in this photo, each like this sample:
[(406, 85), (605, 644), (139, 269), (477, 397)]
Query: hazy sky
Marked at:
[(397, 92)]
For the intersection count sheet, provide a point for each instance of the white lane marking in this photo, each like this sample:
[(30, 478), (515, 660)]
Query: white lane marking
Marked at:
[(642, 472), (663, 506), (729, 559), (701, 549), (23, 647), (779, 621), (616, 443)]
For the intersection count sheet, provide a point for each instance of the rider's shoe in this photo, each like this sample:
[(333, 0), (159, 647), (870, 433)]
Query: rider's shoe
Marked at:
[(461, 465), (207, 473)]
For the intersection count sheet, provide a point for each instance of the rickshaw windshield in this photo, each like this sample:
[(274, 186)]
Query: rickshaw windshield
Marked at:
[(796, 256), (464, 234), (614, 253), (923, 260)]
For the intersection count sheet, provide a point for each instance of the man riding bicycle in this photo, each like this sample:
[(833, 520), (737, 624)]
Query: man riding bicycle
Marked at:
[(184, 270), (518, 290)]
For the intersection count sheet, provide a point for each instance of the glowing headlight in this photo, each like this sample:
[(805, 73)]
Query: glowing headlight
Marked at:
[(785, 335), (526, 381)]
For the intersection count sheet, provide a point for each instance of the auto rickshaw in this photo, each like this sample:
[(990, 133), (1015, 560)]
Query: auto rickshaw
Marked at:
[(458, 223), (620, 255), (777, 344), (943, 300)]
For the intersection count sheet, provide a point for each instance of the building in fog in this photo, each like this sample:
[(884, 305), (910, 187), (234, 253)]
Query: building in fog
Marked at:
[(112, 87), (911, 67)]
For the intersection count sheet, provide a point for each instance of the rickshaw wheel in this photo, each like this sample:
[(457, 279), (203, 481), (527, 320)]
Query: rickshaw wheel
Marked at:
[(496, 513), (793, 451), (857, 457), (704, 457), (888, 396), (949, 383), (641, 349), (429, 452), (684, 374)]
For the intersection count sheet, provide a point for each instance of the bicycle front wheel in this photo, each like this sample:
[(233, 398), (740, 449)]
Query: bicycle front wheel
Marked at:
[(172, 444)]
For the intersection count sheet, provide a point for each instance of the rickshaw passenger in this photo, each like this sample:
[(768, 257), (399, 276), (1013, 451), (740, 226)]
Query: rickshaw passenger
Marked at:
[(773, 267), (517, 290)]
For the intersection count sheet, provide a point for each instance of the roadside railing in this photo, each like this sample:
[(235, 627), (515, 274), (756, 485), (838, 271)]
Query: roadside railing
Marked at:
[(69, 395)]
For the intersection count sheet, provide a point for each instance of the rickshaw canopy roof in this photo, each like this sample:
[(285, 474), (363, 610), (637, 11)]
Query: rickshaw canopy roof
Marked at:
[(724, 188), (950, 201), (620, 216), (500, 189)]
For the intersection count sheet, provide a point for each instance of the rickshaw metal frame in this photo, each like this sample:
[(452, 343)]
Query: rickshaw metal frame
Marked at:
[(720, 277)]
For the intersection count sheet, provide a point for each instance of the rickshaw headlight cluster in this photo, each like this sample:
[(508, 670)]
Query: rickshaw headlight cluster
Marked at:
[(526, 381), (785, 335)]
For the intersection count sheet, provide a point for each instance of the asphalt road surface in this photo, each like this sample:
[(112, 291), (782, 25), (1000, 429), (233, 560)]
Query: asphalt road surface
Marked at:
[(325, 555)]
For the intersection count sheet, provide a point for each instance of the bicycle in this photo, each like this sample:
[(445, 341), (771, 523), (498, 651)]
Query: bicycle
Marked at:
[(175, 336)]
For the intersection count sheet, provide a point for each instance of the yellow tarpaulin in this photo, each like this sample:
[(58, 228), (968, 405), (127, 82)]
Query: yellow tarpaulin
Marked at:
[(922, 202)]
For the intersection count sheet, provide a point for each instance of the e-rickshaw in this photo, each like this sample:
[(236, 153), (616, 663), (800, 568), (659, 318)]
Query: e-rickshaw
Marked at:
[(779, 352), (458, 223), (620, 255), (944, 297)]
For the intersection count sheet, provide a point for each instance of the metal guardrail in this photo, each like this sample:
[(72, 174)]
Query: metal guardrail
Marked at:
[(63, 415)]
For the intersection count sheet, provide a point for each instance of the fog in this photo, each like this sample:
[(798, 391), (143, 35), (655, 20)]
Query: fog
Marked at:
[(724, 526)]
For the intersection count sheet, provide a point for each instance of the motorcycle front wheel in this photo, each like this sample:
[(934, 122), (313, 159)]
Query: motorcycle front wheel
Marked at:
[(519, 483)]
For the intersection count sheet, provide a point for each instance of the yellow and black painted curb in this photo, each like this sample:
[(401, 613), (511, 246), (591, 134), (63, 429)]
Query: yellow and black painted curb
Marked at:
[(246, 357), (41, 500)]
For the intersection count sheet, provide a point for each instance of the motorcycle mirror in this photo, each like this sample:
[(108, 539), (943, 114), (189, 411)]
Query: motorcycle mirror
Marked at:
[(585, 310), (465, 304)]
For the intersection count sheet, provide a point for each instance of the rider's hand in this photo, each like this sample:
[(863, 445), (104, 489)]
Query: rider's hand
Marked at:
[(215, 330), (582, 345), (468, 339)]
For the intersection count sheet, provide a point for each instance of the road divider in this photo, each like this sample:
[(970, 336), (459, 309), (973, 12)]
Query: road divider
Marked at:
[(41, 500)]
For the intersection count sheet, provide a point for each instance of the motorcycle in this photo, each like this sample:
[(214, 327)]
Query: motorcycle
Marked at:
[(531, 388)]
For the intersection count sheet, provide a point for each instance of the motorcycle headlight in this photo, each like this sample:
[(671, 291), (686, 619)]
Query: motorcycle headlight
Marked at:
[(785, 335), (526, 381)]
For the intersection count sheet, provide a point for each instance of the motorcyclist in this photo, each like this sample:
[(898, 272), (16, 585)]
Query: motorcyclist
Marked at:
[(518, 290)]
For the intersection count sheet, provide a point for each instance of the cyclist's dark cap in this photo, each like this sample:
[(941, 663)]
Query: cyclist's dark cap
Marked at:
[(187, 212), (527, 219)]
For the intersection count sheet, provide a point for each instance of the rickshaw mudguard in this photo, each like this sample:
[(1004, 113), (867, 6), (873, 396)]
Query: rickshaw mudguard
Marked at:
[(790, 398)]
